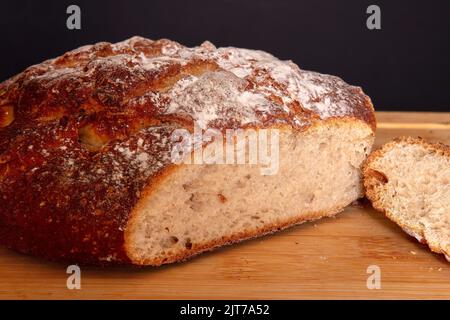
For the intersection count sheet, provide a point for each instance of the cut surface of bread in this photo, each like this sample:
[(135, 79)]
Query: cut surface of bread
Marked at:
[(199, 207), (409, 180)]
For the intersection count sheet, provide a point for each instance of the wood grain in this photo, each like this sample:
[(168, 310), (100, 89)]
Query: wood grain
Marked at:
[(326, 259)]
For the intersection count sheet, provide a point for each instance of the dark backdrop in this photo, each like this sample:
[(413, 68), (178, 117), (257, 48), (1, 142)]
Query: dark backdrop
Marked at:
[(403, 66)]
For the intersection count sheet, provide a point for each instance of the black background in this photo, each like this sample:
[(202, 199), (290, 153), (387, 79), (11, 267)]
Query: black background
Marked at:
[(403, 66)]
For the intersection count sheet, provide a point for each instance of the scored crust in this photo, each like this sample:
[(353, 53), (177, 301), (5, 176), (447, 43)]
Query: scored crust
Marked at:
[(374, 179), (83, 134)]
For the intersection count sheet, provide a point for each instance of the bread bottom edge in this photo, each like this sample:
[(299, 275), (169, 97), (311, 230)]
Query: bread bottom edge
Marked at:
[(240, 237)]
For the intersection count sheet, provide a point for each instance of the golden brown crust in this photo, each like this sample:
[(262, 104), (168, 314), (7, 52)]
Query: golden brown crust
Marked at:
[(83, 134), (372, 178)]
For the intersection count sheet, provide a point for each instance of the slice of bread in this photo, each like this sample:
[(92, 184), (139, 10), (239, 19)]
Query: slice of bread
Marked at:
[(409, 180)]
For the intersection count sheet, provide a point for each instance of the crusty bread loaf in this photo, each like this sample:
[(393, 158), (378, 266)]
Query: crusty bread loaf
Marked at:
[(409, 180), (86, 167)]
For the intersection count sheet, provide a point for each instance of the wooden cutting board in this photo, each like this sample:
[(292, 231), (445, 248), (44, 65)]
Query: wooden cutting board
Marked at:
[(327, 259)]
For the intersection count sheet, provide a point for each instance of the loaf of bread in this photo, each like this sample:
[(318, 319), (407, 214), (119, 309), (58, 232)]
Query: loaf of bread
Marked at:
[(87, 172), (409, 180)]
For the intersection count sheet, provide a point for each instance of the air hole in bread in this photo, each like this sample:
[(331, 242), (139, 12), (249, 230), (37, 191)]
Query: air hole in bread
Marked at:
[(322, 146), (379, 176), (188, 244)]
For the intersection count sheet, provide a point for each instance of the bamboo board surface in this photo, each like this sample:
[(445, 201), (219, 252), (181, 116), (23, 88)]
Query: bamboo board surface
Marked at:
[(326, 259)]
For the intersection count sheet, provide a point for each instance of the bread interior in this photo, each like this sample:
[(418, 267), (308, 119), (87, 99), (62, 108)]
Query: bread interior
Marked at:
[(198, 207)]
